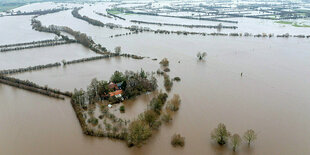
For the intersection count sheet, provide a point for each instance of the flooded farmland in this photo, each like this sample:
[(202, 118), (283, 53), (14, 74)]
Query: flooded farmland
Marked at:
[(244, 82)]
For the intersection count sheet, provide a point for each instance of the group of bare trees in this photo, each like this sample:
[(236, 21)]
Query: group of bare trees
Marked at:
[(221, 135), (29, 45)]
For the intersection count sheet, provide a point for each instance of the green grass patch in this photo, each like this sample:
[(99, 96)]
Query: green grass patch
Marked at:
[(300, 25), (284, 22), (114, 12)]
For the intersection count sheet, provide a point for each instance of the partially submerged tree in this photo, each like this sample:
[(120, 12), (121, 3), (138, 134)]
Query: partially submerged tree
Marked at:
[(168, 83), (164, 62), (149, 117), (158, 102), (235, 141), (166, 116), (118, 50), (122, 108), (220, 134), (249, 136), (138, 133), (174, 103), (177, 140), (202, 55)]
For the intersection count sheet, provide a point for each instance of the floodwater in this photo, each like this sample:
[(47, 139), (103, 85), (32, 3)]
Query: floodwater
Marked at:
[(272, 96), (17, 29)]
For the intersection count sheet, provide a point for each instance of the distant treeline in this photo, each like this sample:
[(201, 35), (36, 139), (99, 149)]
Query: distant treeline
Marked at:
[(39, 12), (184, 17), (30, 86), (123, 34), (189, 26), (101, 57), (266, 16), (286, 35)]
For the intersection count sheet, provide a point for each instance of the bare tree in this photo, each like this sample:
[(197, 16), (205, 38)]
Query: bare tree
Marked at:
[(202, 55), (220, 134), (235, 141), (250, 136), (118, 50)]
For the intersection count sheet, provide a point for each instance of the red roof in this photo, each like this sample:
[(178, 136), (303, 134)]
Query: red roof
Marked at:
[(116, 92)]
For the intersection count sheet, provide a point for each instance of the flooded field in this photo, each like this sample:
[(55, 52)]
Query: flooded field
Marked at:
[(249, 25), (44, 55), (264, 99), (17, 29), (271, 97)]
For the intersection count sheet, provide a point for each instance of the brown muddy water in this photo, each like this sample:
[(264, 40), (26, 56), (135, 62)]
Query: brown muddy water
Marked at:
[(17, 29), (272, 98)]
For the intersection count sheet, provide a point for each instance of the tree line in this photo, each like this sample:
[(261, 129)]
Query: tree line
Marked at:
[(40, 12), (29, 43), (37, 45), (221, 135), (81, 38), (30, 68), (220, 26)]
